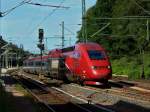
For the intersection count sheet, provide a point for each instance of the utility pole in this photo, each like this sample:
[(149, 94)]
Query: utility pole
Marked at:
[(147, 30), (143, 52), (46, 45), (84, 25), (69, 41), (63, 35)]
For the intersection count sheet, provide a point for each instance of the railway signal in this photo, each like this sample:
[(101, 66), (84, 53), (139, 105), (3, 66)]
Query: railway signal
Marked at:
[(40, 45), (41, 35)]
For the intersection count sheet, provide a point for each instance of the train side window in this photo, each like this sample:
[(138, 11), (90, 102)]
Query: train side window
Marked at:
[(31, 63), (35, 63)]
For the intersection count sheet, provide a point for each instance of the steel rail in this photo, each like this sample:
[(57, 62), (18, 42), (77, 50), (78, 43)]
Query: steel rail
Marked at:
[(115, 92), (35, 96), (43, 102)]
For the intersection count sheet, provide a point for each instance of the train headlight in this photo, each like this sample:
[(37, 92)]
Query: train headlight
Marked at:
[(108, 67), (93, 67), (84, 71)]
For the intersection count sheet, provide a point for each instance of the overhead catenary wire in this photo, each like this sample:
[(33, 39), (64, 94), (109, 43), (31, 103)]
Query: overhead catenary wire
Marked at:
[(146, 11), (100, 30), (67, 29), (13, 8), (117, 18), (45, 18), (2, 14)]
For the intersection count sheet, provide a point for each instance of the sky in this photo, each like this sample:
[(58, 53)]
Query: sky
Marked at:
[(21, 25)]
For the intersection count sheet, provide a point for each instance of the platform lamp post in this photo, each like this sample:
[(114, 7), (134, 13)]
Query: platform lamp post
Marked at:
[(0, 61), (40, 45)]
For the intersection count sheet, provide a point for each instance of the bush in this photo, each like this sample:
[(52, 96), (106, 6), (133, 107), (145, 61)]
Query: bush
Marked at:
[(131, 66)]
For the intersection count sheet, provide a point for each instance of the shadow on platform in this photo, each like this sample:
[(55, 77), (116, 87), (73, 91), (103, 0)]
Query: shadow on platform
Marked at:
[(8, 80)]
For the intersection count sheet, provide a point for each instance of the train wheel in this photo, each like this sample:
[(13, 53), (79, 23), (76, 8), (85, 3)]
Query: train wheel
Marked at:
[(65, 79), (106, 83), (80, 81)]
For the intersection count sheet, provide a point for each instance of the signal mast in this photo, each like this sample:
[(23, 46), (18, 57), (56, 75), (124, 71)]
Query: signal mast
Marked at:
[(84, 32)]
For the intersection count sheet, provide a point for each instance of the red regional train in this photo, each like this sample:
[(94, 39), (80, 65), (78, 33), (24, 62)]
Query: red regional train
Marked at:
[(85, 63)]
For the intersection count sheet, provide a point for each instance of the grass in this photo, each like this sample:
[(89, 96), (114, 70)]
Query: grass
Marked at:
[(18, 87), (131, 66)]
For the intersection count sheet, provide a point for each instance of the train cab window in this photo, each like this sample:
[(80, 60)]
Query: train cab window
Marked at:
[(38, 63), (96, 55)]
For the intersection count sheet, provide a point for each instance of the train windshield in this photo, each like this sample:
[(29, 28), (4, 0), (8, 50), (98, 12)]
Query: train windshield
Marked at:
[(96, 55)]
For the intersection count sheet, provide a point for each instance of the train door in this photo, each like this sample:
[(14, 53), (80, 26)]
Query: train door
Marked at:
[(62, 68), (49, 66), (54, 68)]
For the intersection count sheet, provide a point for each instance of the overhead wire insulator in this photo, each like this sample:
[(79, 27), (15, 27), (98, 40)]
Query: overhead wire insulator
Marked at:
[(1, 14)]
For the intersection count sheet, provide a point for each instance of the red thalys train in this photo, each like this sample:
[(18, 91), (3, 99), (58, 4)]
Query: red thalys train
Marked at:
[(86, 63)]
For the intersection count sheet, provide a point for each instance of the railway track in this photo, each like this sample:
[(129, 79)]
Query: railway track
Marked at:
[(127, 84), (112, 97), (123, 92), (121, 84), (58, 101), (130, 90)]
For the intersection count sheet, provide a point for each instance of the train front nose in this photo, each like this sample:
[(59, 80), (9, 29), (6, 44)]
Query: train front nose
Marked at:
[(99, 72)]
